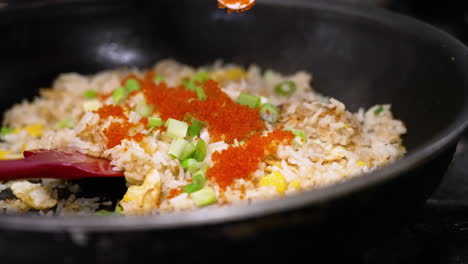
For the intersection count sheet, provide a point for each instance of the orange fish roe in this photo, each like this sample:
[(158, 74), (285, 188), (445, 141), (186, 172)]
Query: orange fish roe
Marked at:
[(173, 193), (111, 110), (226, 119), (104, 96), (241, 161), (118, 131), (137, 137), (144, 121)]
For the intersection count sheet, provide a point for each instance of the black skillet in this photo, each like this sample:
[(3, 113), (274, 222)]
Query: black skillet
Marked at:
[(361, 56)]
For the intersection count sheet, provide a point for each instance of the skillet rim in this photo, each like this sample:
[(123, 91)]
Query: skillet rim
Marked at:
[(212, 216)]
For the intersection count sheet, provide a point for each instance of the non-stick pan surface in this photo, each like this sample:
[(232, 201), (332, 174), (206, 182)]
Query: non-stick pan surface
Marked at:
[(361, 56)]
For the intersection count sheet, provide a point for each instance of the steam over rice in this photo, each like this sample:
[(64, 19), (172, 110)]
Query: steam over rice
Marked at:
[(339, 144)]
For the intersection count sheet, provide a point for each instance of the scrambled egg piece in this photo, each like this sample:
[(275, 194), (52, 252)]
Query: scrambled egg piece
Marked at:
[(361, 163), (33, 194), (295, 184), (144, 198), (34, 130), (4, 154), (275, 179), (233, 74)]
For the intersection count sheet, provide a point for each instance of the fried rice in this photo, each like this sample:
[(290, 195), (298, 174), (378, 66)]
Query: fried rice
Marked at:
[(314, 142)]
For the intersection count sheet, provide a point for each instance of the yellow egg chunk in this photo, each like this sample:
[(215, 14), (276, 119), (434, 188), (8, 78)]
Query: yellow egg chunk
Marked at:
[(235, 74), (34, 195), (4, 154), (275, 179), (361, 163), (34, 130), (142, 199), (295, 184)]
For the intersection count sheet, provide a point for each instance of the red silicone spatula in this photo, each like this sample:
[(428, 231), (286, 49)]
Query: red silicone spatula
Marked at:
[(60, 164)]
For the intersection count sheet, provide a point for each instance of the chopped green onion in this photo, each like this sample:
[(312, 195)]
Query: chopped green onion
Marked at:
[(248, 100), (285, 88), (118, 209), (176, 128), (6, 130), (132, 85), (154, 122), (66, 123), (299, 140), (188, 151), (186, 162), (191, 165), (143, 109), (90, 94), (299, 133), (378, 110), (195, 127), (203, 197), (104, 213), (158, 79), (177, 147), (201, 76), (198, 182), (300, 136), (119, 95), (200, 93), (269, 112), (190, 188), (190, 85), (200, 150)]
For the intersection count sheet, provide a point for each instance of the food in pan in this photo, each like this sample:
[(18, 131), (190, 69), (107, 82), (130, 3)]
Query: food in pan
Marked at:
[(188, 138)]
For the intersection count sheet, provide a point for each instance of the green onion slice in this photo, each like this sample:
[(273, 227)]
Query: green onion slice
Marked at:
[(66, 123), (132, 85), (300, 137), (204, 197), (188, 151), (190, 85), (201, 76), (158, 79), (176, 128), (269, 112), (248, 100), (154, 122), (191, 165), (90, 94), (118, 209), (119, 95), (299, 133), (104, 213), (195, 127), (285, 88), (200, 93), (378, 110), (6, 130), (143, 109), (177, 147), (198, 182), (200, 150)]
